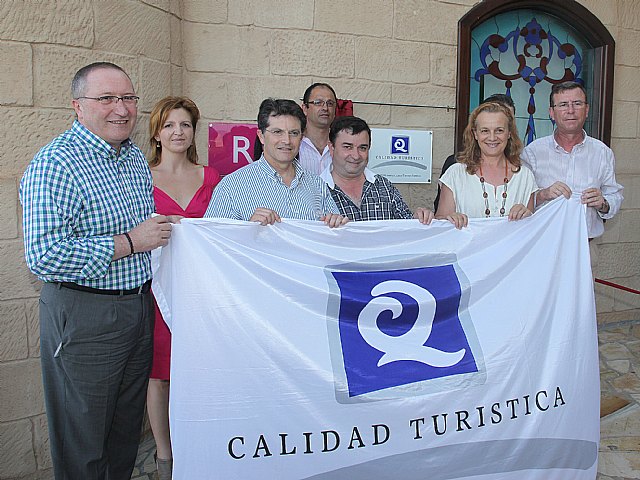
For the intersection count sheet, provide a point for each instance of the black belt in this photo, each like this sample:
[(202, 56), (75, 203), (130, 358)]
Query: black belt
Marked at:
[(144, 288)]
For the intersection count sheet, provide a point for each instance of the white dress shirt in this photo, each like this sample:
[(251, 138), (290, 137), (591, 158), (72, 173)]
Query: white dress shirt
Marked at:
[(590, 164), (310, 158)]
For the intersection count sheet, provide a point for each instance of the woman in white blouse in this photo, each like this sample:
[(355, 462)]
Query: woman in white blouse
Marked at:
[(489, 179)]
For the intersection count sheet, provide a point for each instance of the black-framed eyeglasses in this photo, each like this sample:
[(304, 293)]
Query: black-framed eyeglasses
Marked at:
[(113, 99), (321, 103)]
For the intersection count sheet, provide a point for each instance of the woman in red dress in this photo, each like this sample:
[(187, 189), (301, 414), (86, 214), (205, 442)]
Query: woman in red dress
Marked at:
[(181, 187)]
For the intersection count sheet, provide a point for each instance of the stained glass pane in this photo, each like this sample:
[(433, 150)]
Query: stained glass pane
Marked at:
[(523, 53)]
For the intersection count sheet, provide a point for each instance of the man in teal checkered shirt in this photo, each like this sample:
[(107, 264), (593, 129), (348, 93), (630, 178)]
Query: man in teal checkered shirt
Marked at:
[(88, 232)]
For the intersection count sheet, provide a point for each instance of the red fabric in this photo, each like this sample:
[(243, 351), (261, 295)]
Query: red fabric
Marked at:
[(344, 108), (165, 205)]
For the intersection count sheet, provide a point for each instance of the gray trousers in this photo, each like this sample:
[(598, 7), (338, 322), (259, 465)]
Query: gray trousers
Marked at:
[(96, 355)]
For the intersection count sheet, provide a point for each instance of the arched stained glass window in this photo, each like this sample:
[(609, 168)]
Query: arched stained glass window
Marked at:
[(523, 47)]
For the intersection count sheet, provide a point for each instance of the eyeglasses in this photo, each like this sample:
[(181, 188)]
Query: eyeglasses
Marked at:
[(113, 99), (277, 132), (321, 103), (577, 104)]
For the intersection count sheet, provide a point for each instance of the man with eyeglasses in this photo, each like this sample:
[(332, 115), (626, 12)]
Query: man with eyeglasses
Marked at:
[(88, 232), (571, 161), (275, 186), (319, 106)]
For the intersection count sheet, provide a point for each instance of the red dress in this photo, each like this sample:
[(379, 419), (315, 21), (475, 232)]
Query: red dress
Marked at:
[(165, 205)]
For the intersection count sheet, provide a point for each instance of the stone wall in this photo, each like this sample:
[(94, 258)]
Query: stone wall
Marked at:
[(228, 55)]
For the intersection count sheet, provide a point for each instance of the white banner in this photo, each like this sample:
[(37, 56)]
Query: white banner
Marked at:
[(383, 350)]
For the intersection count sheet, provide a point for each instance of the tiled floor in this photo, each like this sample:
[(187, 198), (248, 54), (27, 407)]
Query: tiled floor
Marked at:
[(619, 431)]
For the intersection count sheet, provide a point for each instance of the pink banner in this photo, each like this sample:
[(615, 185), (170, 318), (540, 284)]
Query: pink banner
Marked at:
[(231, 145)]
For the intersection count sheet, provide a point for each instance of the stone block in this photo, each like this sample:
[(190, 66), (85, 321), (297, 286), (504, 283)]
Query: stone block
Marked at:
[(176, 80), (443, 146), (363, 91), (175, 8), (626, 300), (391, 60), (430, 96), (133, 28), (443, 65), (37, 127), (55, 66), (628, 14), (17, 458), (619, 260), (9, 210), (373, 18), (611, 231), (41, 442), (140, 135), (13, 331), (21, 395), (427, 21), (625, 120), (209, 91), (177, 45), (155, 83), (421, 195), (628, 47), (631, 191), (605, 10), (245, 94), (211, 11), (312, 53), (68, 23), (626, 86), (161, 4), (629, 221), (15, 278), (626, 153), (16, 82), (604, 298), (246, 49), (31, 308), (273, 13)]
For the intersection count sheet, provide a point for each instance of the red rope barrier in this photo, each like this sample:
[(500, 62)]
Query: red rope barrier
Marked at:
[(619, 287)]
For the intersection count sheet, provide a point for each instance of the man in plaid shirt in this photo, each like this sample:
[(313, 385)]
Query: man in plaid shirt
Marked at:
[(88, 232), (358, 192)]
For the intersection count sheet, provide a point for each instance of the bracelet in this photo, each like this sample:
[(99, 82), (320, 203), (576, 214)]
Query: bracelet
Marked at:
[(130, 242)]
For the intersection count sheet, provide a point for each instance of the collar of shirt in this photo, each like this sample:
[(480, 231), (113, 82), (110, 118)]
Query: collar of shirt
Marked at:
[(99, 144), (328, 178), (310, 144), (558, 147), (269, 171)]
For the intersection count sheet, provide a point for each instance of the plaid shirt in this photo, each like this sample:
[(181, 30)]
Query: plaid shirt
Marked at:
[(78, 193), (380, 199), (258, 185)]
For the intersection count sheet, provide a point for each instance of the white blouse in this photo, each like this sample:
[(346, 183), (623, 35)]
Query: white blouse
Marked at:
[(467, 191)]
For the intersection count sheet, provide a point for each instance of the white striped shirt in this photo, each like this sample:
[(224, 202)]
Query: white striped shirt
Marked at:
[(311, 159), (258, 185)]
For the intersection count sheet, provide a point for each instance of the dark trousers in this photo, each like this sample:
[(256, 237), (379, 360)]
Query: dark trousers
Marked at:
[(96, 355)]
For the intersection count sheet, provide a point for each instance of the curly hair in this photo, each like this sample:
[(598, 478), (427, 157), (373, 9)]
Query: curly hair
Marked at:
[(159, 115), (470, 154)]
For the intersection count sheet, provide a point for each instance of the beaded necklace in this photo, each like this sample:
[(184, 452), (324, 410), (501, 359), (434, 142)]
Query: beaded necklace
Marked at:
[(487, 211)]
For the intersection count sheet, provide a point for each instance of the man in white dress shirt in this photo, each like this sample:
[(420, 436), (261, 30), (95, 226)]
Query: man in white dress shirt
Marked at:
[(319, 106), (571, 161)]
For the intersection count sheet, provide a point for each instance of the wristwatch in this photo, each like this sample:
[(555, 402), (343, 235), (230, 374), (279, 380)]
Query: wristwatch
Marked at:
[(605, 206)]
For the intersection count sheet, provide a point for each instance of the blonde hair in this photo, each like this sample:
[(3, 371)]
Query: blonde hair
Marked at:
[(470, 154), (159, 115)]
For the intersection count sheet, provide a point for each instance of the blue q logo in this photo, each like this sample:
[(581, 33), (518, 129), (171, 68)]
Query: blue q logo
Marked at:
[(400, 145), (401, 327)]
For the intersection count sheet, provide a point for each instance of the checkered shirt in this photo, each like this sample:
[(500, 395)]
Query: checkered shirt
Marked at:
[(77, 193), (380, 201)]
